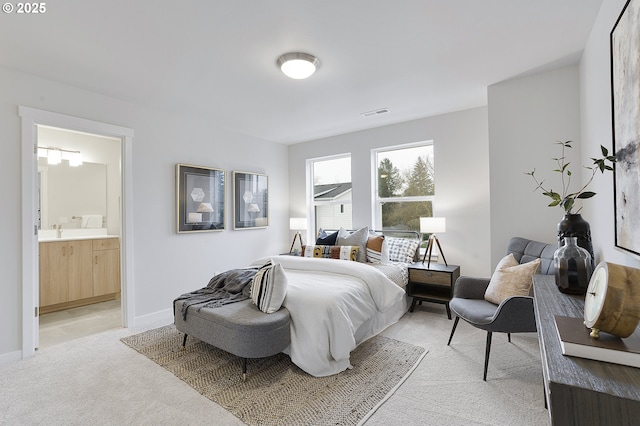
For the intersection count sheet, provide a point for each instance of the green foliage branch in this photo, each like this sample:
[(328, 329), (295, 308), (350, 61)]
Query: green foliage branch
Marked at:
[(567, 199)]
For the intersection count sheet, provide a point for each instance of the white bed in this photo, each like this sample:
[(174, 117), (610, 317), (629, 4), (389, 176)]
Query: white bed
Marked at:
[(335, 305)]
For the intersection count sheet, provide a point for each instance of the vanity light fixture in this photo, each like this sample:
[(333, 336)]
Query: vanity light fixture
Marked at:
[(298, 65), (56, 155)]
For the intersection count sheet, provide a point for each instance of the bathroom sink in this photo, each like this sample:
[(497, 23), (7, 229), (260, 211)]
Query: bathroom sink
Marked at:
[(46, 235)]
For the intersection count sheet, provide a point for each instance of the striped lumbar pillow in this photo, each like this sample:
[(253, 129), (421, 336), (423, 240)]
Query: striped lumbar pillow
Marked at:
[(269, 287), (377, 250)]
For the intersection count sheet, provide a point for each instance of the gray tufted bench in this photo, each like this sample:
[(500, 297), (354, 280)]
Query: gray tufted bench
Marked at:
[(239, 328)]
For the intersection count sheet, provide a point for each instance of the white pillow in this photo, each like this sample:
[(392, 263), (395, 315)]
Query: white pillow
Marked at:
[(356, 238), (402, 249), (510, 279), (269, 287)]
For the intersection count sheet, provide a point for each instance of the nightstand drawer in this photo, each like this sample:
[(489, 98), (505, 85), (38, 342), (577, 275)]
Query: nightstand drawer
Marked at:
[(430, 277)]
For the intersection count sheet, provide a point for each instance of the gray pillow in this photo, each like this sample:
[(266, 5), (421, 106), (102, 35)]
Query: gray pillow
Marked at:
[(356, 238)]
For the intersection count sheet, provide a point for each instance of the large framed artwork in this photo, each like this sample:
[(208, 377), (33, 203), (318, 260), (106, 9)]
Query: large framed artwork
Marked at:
[(251, 200), (625, 93), (200, 198)]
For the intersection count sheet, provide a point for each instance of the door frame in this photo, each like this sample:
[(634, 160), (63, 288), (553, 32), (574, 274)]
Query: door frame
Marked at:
[(30, 119)]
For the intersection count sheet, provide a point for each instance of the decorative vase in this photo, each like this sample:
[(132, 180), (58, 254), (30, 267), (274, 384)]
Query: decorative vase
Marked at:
[(572, 267), (573, 225)]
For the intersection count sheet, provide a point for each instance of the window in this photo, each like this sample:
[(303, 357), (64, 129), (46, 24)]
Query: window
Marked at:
[(404, 185), (330, 184)]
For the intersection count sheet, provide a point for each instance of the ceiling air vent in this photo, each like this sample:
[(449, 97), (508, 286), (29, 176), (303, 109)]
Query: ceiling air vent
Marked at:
[(375, 112)]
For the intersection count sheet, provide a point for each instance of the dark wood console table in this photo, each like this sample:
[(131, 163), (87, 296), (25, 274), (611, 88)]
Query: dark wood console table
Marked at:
[(580, 391)]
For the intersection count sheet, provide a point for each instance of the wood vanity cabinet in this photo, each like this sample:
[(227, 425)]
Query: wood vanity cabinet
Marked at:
[(106, 266), (65, 271), (78, 272)]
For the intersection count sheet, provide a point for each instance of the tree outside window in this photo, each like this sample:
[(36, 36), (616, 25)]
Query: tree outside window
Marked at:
[(405, 186)]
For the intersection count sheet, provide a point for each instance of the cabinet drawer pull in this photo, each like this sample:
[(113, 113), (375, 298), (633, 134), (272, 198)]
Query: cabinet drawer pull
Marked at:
[(96, 259), (71, 250)]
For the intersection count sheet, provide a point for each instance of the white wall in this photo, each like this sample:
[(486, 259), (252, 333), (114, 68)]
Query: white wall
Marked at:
[(595, 92), (461, 172), (527, 115), (166, 264)]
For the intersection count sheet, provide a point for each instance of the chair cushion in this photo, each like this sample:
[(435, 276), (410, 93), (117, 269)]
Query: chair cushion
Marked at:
[(525, 250), (511, 279), (474, 311)]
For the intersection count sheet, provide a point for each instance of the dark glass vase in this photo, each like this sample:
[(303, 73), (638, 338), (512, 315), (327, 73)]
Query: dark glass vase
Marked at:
[(573, 267), (573, 225)]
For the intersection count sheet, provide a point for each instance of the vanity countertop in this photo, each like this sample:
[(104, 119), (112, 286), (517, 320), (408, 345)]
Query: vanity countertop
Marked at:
[(74, 238), (73, 234)]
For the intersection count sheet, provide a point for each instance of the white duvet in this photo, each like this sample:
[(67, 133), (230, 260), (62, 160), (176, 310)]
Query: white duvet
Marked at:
[(329, 300)]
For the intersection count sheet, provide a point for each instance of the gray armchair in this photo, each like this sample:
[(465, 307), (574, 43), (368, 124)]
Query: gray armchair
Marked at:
[(513, 315)]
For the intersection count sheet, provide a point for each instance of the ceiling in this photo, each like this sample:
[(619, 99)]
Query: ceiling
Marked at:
[(216, 59)]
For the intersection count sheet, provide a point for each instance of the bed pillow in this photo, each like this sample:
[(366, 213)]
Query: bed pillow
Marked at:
[(511, 279), (325, 239), (331, 252), (377, 250), (402, 249), (356, 238), (269, 287)]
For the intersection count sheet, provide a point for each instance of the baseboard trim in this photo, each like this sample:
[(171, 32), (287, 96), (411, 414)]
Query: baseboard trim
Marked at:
[(154, 319), (10, 357)]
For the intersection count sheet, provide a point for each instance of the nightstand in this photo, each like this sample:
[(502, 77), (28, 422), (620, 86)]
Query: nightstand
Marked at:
[(433, 284)]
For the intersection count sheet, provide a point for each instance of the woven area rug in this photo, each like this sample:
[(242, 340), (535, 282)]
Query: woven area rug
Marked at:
[(276, 391)]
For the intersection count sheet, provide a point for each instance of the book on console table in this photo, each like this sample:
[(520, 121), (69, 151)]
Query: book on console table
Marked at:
[(575, 341)]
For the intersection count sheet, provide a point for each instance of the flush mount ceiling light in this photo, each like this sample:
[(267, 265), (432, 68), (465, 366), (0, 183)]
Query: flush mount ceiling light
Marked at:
[(298, 65)]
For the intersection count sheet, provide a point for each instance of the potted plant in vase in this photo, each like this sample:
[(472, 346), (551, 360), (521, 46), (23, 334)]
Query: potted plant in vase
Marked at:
[(573, 231)]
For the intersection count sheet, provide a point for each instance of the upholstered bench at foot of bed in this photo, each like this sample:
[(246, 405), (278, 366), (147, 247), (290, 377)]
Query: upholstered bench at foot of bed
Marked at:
[(239, 328)]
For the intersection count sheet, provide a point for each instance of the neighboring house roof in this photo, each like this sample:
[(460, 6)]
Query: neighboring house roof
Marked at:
[(331, 191)]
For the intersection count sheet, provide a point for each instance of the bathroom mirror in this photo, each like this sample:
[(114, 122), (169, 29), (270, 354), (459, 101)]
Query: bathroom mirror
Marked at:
[(67, 193)]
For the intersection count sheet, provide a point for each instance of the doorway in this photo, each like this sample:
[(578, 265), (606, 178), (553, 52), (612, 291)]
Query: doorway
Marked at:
[(33, 122), (79, 196)]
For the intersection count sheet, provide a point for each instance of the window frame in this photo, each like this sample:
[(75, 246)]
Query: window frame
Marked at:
[(376, 201), (311, 203)]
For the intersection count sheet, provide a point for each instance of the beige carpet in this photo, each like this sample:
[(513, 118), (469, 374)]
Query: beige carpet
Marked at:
[(99, 381), (276, 391)]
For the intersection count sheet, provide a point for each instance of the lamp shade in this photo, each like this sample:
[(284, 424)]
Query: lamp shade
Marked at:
[(297, 223), (205, 208), (431, 225)]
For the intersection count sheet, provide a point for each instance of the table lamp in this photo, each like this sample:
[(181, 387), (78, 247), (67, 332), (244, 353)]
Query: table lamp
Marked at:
[(432, 225), (297, 224)]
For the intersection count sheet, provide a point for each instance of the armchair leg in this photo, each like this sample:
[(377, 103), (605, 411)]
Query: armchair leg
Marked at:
[(486, 356), (509, 337), (453, 330)]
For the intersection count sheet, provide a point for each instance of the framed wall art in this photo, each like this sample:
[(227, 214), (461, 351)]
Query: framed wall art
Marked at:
[(251, 200), (625, 94), (200, 198)]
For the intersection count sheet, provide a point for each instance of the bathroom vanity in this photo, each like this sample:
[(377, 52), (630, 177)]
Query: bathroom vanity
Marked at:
[(76, 271)]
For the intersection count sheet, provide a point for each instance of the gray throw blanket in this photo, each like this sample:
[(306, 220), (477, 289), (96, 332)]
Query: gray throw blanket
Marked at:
[(228, 287)]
